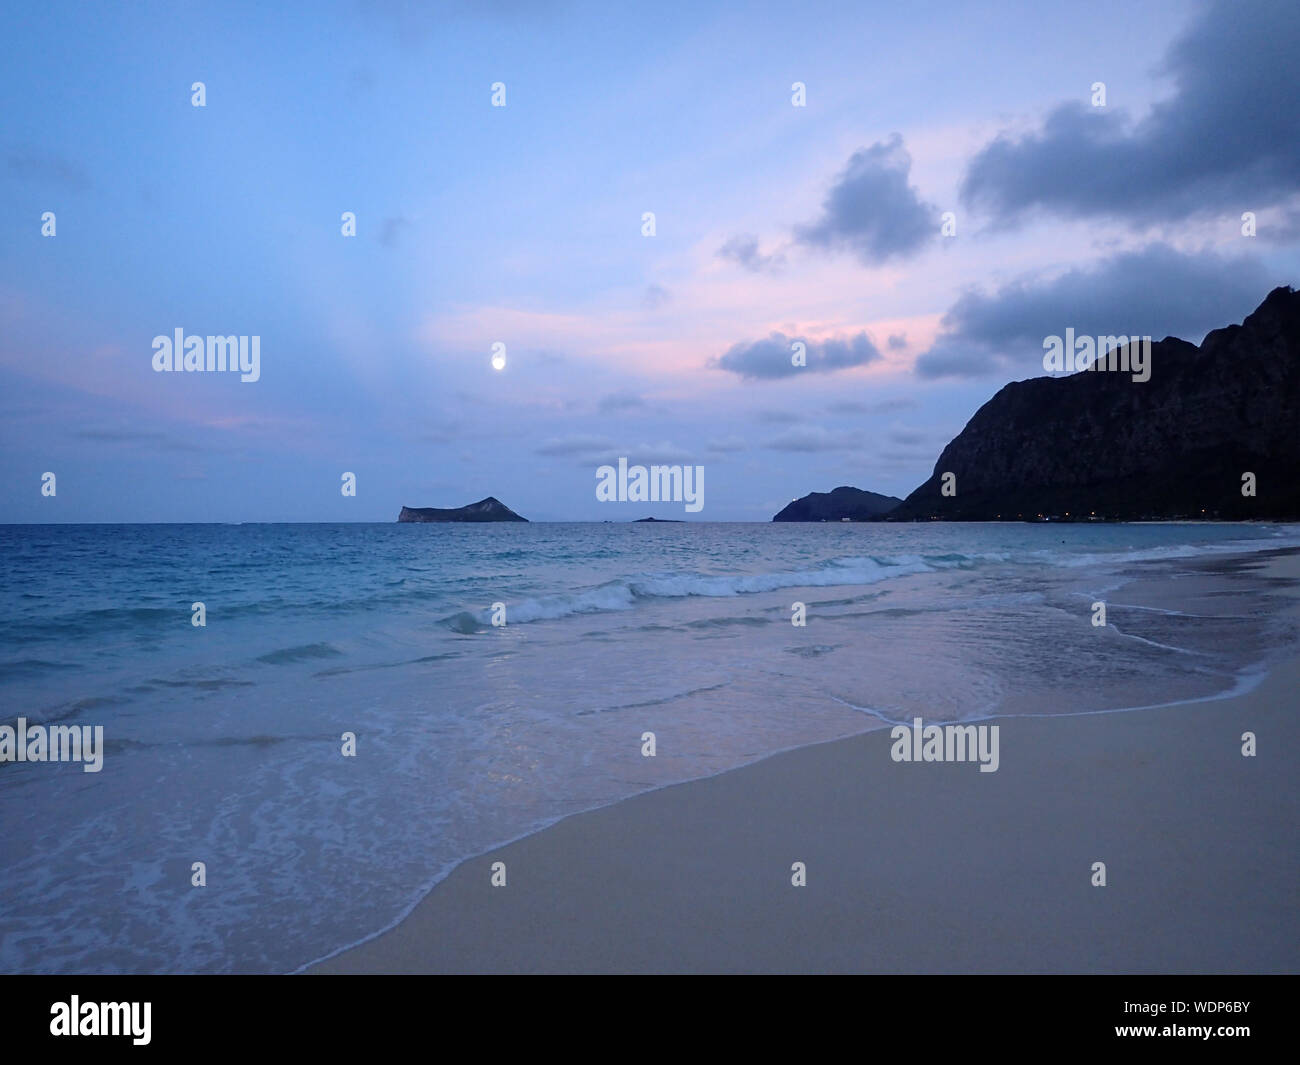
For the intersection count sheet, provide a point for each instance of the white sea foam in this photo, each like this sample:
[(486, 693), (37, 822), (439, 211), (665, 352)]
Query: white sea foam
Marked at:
[(845, 571), (624, 594)]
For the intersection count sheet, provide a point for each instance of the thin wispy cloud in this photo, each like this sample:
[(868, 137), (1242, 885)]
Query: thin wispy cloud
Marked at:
[(744, 251), (391, 230), (617, 402), (726, 446), (49, 170), (146, 438), (884, 406), (812, 438), (655, 297), (577, 445)]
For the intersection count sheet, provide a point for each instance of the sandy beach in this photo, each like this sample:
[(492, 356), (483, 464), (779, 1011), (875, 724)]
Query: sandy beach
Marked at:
[(913, 867)]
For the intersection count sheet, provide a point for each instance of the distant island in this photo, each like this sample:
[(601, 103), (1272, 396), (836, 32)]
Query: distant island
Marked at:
[(840, 504), (489, 509), (1099, 445), (660, 521)]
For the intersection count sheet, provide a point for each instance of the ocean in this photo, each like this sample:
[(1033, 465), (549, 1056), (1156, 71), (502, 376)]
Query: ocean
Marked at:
[(223, 743)]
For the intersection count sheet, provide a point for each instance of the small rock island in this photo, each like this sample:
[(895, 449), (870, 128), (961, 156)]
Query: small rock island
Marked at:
[(841, 504), (489, 509)]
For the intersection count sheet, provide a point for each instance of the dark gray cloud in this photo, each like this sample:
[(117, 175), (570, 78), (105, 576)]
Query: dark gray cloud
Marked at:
[(744, 251), (871, 209), (1228, 139), (1156, 291), (770, 358)]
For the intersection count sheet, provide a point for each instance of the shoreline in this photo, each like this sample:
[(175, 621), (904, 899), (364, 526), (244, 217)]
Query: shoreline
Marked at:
[(612, 889)]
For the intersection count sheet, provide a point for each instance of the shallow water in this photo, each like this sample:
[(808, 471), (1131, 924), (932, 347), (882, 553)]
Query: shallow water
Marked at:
[(223, 742)]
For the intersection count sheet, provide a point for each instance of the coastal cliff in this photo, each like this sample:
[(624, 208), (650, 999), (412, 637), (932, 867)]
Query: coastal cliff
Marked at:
[(1099, 444)]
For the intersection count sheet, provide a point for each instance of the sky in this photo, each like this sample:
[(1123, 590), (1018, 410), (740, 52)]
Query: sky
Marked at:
[(524, 225)]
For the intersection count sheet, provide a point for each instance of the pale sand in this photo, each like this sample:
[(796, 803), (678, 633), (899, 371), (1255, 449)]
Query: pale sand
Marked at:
[(913, 867)]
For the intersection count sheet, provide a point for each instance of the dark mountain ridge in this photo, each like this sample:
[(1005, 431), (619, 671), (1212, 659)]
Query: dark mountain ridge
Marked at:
[(1098, 444), (840, 504)]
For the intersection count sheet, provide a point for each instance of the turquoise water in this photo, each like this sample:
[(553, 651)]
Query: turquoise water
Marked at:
[(222, 743)]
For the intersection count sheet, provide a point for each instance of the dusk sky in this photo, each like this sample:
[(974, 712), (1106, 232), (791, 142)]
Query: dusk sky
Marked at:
[(522, 225)]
